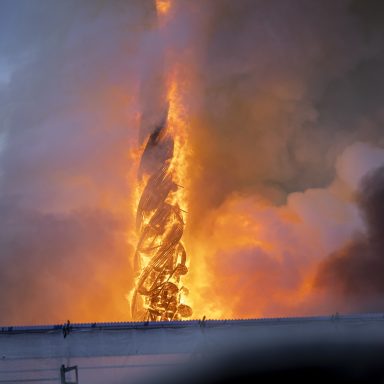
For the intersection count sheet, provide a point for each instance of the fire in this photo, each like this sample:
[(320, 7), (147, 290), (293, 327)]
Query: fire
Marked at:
[(160, 254), (250, 257), (178, 130), (160, 257)]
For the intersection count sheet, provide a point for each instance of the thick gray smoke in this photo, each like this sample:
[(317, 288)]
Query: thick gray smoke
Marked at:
[(357, 270), (286, 86)]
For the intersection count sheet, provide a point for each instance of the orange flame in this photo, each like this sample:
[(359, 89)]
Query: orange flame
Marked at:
[(177, 128), (161, 194)]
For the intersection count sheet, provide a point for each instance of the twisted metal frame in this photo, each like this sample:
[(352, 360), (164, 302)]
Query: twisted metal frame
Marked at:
[(160, 255)]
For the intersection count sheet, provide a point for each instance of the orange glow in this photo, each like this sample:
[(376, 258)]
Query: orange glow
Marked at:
[(239, 131), (161, 199), (177, 128), (160, 257), (249, 260), (163, 6)]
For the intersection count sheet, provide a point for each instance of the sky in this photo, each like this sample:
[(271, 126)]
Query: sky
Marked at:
[(283, 104)]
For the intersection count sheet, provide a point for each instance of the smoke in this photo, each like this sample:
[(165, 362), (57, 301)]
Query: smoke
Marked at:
[(356, 270), (286, 86), (288, 90), (285, 118), (56, 266), (68, 107), (267, 259)]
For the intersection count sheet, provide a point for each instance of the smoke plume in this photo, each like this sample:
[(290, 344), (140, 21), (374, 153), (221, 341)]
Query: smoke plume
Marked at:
[(356, 271)]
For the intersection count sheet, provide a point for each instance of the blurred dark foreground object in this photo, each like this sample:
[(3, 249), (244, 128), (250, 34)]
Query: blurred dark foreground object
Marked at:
[(306, 361)]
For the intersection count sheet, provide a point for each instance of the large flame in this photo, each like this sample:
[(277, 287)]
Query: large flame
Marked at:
[(160, 254), (160, 257)]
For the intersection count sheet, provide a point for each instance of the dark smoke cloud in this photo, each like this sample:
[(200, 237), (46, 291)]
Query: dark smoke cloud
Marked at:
[(286, 86), (356, 272)]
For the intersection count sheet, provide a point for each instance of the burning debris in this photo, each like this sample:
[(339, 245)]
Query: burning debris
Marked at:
[(160, 255)]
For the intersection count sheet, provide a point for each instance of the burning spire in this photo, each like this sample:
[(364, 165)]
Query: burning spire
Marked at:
[(160, 256)]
